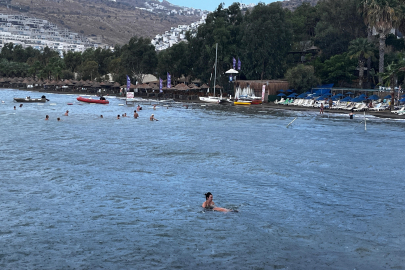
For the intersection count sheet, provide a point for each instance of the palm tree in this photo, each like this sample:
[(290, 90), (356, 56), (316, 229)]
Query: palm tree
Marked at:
[(390, 75), (382, 15), (361, 49)]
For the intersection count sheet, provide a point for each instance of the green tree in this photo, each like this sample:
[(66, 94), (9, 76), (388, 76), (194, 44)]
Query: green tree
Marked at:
[(338, 69), (382, 15), (139, 57), (302, 78), (89, 70), (72, 60), (174, 60), (361, 49), (339, 23), (266, 42), (390, 75)]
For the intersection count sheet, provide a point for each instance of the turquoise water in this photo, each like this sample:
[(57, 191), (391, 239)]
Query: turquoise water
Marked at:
[(92, 193)]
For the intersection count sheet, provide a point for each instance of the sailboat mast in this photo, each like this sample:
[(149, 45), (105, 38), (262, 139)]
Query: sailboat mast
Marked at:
[(215, 76)]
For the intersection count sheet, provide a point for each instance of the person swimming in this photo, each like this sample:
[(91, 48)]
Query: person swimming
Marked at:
[(210, 205)]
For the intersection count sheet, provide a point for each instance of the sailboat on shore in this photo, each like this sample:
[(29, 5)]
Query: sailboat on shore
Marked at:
[(214, 99)]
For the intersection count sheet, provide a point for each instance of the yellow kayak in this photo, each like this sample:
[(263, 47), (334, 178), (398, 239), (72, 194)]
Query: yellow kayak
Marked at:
[(242, 102)]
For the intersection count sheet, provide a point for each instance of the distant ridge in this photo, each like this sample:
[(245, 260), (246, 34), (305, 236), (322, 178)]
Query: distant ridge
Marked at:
[(111, 22)]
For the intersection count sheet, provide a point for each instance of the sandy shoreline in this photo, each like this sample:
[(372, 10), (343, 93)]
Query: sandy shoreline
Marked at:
[(271, 105)]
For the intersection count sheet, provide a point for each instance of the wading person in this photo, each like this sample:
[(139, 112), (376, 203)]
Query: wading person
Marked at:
[(152, 118)]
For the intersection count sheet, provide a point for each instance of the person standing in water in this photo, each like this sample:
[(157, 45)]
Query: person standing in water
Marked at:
[(136, 115), (209, 204), (47, 117), (152, 118)]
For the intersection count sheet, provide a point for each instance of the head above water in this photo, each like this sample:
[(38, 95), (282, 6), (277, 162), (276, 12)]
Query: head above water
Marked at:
[(207, 195)]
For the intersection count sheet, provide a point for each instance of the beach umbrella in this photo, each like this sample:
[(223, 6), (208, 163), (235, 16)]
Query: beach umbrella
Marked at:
[(281, 91), (388, 96), (308, 97), (402, 100), (302, 95), (358, 99), (373, 97), (289, 91), (338, 95), (292, 95), (281, 95), (327, 94), (346, 99), (321, 98), (334, 98), (349, 93)]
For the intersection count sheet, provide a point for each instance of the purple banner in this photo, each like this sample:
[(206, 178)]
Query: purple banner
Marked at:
[(239, 64), (233, 63), (128, 82), (169, 81), (160, 85)]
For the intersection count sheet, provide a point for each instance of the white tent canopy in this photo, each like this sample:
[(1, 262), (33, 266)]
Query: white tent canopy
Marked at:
[(231, 71)]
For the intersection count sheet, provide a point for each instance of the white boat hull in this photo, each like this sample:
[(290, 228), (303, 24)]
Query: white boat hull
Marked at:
[(212, 99)]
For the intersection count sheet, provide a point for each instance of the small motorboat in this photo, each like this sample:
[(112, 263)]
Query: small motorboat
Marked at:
[(43, 99), (92, 100)]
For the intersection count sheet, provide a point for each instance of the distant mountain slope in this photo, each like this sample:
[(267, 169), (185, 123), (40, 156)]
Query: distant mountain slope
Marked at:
[(115, 22), (293, 4)]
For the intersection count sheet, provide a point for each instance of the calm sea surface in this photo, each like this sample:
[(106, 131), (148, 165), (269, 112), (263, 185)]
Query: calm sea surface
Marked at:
[(92, 193)]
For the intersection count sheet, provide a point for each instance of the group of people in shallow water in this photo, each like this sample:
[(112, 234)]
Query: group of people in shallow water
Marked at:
[(136, 115)]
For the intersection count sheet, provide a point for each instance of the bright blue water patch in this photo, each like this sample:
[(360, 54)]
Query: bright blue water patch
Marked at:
[(91, 193)]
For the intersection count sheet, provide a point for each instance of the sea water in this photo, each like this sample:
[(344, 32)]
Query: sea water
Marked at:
[(101, 193)]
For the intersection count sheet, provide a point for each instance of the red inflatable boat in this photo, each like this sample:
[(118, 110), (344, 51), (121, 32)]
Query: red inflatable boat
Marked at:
[(90, 100)]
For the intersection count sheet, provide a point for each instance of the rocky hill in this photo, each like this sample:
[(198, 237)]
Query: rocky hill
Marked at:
[(293, 4), (112, 21)]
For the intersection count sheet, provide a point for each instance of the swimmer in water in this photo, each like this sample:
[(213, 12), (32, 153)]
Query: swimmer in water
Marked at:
[(47, 117), (66, 113), (136, 115), (101, 116), (152, 117), (15, 108), (58, 119), (118, 116), (154, 107), (209, 204)]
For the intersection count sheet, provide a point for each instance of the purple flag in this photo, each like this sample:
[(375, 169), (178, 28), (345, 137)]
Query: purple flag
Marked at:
[(160, 85), (239, 64), (233, 62), (128, 82), (169, 81)]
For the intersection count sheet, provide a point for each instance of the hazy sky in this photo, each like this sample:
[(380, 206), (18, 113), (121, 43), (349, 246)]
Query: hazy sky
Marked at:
[(211, 5)]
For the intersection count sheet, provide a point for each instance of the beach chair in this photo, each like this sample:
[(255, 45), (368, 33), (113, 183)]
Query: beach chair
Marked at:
[(279, 102), (400, 111), (310, 103), (361, 107)]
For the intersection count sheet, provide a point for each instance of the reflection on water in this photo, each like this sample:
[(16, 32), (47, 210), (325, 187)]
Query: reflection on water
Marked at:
[(126, 194)]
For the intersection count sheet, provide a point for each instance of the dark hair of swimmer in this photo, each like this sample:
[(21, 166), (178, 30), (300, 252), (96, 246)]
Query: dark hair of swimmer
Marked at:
[(207, 195)]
